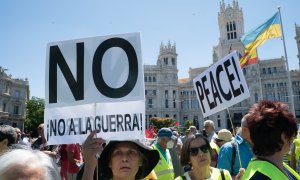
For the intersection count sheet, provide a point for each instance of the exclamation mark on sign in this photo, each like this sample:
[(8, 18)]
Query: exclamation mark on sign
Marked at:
[(235, 68)]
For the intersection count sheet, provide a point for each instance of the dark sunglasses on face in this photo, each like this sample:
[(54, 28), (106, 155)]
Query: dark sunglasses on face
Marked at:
[(195, 150)]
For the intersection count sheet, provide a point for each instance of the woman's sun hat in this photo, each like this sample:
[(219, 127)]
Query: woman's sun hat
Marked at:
[(151, 158)]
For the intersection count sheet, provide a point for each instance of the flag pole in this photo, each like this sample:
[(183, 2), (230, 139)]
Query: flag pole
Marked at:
[(290, 90), (259, 77)]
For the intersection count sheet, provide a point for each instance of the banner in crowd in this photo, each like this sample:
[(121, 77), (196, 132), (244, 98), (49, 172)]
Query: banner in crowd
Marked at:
[(221, 85), (94, 84)]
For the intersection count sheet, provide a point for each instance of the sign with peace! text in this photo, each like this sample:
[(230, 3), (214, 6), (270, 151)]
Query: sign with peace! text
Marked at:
[(221, 85), (94, 84)]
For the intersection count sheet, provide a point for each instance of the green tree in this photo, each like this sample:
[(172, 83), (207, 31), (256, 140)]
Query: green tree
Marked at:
[(34, 115), (160, 122), (188, 123)]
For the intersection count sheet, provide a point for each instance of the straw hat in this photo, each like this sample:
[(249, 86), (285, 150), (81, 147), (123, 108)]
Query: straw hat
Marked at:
[(224, 135)]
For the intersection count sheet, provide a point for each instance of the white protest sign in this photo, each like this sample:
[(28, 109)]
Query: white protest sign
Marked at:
[(221, 85), (94, 84)]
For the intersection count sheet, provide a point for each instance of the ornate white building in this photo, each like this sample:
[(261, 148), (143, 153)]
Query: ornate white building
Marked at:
[(168, 96), (13, 96)]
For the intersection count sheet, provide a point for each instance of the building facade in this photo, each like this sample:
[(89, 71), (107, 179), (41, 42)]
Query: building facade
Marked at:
[(13, 96), (168, 96)]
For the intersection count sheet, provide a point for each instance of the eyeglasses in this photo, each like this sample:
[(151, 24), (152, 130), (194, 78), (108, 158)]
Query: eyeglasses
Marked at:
[(195, 150)]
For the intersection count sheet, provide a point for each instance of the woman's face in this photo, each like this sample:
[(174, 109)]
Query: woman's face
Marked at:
[(125, 160), (199, 153)]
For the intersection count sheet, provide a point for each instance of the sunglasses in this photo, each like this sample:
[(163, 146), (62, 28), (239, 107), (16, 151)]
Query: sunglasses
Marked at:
[(195, 150)]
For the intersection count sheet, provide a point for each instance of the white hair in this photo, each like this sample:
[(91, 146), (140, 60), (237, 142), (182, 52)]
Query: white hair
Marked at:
[(210, 123), (24, 157)]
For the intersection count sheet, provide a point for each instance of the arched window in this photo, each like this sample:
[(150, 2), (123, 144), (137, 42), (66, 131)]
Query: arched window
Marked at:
[(234, 26), (227, 27), (230, 26)]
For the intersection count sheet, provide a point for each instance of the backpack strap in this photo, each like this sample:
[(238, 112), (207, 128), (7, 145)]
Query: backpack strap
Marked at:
[(233, 156), (222, 174)]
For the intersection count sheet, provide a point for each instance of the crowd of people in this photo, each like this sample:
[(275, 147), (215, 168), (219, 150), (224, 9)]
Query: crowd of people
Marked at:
[(267, 135)]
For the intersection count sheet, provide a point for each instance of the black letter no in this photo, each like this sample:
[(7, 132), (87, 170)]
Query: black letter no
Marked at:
[(133, 68), (56, 58)]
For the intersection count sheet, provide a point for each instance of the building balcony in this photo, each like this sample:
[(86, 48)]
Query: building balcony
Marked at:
[(4, 114), (16, 116), (6, 94)]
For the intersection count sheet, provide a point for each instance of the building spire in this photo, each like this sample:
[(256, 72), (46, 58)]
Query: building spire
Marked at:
[(222, 6), (168, 48)]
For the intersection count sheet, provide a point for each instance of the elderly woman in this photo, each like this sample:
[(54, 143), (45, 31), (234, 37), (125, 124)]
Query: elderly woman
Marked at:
[(126, 160), (27, 164), (272, 128), (196, 152)]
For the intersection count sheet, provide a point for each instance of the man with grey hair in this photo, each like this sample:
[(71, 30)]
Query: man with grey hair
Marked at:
[(209, 128), (8, 136)]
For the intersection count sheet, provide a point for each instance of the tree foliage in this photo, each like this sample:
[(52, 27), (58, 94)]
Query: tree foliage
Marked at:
[(34, 115), (188, 123), (160, 122)]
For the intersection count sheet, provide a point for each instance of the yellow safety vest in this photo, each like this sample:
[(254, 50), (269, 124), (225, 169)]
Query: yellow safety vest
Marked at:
[(215, 174), (297, 150), (215, 146), (268, 169), (164, 170)]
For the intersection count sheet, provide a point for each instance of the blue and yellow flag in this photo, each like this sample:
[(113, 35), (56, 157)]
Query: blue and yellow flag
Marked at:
[(257, 36)]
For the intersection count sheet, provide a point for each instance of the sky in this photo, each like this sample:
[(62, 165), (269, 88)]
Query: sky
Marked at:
[(28, 26)]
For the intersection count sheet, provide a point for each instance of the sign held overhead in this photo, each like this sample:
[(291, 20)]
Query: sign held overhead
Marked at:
[(94, 84), (221, 85)]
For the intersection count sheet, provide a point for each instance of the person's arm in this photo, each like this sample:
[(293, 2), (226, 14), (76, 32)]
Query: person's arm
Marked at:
[(50, 153), (70, 154), (71, 158), (91, 148)]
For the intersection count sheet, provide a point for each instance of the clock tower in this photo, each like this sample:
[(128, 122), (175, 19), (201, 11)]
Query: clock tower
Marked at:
[(231, 27)]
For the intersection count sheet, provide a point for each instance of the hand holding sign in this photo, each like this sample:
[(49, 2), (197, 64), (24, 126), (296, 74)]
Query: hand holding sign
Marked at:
[(91, 148), (221, 85)]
